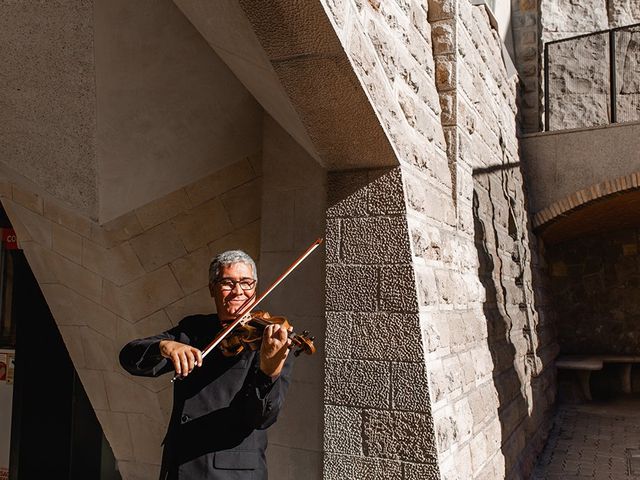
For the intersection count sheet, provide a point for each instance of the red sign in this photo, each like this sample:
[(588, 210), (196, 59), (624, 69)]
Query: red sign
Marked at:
[(9, 240)]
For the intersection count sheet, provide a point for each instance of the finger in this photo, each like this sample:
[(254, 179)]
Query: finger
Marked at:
[(184, 363), (272, 330), (176, 363), (282, 334), (265, 334), (198, 357), (282, 353), (272, 333), (191, 359)]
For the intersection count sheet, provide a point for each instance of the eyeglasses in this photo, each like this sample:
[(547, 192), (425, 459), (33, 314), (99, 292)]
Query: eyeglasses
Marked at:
[(227, 284)]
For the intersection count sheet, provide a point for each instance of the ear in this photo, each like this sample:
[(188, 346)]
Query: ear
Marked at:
[(211, 289)]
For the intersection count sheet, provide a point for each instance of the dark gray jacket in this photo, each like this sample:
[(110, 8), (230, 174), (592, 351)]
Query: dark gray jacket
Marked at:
[(220, 411)]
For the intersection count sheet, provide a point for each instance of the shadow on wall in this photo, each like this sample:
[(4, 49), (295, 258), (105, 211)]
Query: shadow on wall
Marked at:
[(502, 240)]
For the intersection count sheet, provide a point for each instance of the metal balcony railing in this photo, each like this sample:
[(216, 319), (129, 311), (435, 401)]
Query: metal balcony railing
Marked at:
[(592, 79)]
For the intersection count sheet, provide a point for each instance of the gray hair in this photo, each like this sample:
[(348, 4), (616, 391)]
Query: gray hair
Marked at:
[(227, 258)]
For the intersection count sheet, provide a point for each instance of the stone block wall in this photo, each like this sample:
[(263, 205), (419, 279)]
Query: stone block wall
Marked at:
[(378, 421), (579, 69), (579, 85), (132, 277), (496, 331), (526, 43), (627, 73), (485, 344), (596, 287)]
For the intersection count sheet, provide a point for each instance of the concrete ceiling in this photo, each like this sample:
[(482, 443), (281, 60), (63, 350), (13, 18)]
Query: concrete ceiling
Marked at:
[(108, 106), (227, 30), (112, 105), (288, 55), (169, 111)]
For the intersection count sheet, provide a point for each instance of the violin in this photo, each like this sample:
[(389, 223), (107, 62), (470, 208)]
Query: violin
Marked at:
[(303, 342), (248, 335)]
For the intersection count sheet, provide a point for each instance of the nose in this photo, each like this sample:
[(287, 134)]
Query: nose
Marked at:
[(236, 288)]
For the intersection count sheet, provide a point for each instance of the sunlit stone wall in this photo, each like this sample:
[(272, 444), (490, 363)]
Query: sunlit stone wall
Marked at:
[(436, 77)]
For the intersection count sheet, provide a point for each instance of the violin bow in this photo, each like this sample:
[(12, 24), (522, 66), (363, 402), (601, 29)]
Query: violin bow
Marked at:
[(247, 306)]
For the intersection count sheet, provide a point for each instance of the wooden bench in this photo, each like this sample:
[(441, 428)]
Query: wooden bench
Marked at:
[(585, 364)]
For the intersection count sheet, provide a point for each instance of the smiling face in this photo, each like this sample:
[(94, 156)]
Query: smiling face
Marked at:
[(228, 301)]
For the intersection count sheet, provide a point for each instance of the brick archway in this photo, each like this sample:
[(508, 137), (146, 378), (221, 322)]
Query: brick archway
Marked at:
[(584, 196)]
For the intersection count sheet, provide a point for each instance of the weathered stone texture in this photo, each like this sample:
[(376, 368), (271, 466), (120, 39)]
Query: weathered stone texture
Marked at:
[(358, 234), (343, 430), (375, 381), (382, 336), (627, 78), (409, 391), (622, 12), (392, 435), (397, 288), (474, 365), (464, 257), (421, 471), (390, 46), (563, 19), (360, 281), (339, 327), (579, 85), (345, 466)]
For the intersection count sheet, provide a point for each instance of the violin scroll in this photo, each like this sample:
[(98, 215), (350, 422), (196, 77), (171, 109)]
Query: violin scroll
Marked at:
[(303, 343)]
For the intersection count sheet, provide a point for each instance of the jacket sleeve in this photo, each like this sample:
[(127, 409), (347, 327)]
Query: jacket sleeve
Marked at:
[(261, 397), (142, 357)]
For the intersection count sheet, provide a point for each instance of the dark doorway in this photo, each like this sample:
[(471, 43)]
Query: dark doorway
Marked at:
[(54, 432)]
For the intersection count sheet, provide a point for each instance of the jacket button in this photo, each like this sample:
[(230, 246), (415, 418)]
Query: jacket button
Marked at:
[(184, 418)]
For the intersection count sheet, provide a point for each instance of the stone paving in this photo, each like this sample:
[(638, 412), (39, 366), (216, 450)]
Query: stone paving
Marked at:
[(593, 441)]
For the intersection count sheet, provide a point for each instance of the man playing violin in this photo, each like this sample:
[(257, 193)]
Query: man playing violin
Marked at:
[(221, 406)]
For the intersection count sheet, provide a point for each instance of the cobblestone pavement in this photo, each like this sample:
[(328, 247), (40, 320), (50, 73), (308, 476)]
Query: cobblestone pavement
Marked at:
[(594, 441)]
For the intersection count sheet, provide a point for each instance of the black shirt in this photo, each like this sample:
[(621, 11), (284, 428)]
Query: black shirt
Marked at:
[(220, 411)]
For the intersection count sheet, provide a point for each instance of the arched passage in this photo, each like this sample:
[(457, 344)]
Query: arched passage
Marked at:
[(606, 206)]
